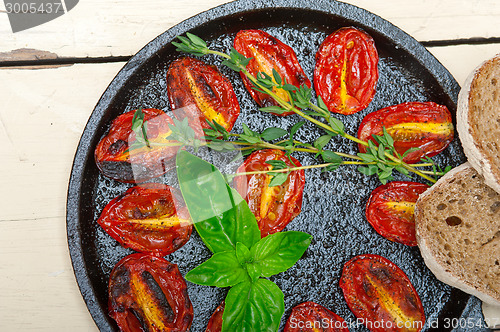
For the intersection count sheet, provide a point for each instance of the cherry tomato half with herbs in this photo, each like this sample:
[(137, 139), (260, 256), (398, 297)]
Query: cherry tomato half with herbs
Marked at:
[(147, 293), (215, 322), (380, 293), (117, 158), (199, 92), (426, 126), (148, 218), (390, 210), (268, 53), (346, 72), (312, 317), (273, 207)]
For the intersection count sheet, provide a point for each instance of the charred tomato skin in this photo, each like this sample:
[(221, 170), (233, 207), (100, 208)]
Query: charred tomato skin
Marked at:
[(199, 92), (268, 53), (148, 218), (346, 72), (424, 125), (114, 158), (148, 293), (376, 290), (273, 207), (390, 210), (311, 317), (215, 322)]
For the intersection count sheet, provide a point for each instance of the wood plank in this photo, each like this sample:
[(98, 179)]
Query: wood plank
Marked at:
[(39, 290), (43, 115), (40, 126), (96, 28), (461, 60)]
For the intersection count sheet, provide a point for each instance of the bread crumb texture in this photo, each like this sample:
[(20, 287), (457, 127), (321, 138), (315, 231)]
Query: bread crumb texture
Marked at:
[(459, 218), (484, 112)]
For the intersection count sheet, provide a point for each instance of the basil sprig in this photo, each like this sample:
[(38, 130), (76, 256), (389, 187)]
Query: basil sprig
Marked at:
[(241, 259)]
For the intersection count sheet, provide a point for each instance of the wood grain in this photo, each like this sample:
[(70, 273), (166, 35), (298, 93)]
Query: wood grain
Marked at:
[(40, 126), (44, 110), (96, 28)]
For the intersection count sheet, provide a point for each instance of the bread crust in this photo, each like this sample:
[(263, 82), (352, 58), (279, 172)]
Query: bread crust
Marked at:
[(432, 249), (486, 164)]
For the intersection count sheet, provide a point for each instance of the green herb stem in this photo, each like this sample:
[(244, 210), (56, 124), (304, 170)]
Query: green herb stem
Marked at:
[(420, 173), (299, 99), (224, 55), (280, 101), (291, 169)]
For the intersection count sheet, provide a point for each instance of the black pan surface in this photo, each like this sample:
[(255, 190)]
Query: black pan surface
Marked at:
[(333, 204)]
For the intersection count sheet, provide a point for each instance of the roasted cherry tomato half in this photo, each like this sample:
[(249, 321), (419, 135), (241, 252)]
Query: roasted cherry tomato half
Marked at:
[(380, 294), (273, 207), (200, 92), (346, 72), (312, 317), (390, 210), (269, 53), (425, 126), (148, 218), (147, 293), (115, 158), (215, 322)]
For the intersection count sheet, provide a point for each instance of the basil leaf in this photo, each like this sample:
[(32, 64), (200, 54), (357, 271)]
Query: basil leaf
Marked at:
[(253, 306), (273, 133), (254, 271), (242, 253), (221, 217), (279, 251), (221, 270)]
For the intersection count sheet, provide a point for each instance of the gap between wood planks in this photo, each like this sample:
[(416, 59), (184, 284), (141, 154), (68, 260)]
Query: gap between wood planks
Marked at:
[(38, 59)]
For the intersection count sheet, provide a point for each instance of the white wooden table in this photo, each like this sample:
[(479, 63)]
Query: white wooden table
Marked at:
[(43, 110)]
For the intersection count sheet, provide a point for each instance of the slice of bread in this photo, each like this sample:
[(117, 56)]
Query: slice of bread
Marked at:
[(457, 224), (478, 120)]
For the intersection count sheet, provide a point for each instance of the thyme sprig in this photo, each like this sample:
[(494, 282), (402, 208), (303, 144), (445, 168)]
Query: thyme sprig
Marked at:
[(219, 139), (381, 160), (139, 127)]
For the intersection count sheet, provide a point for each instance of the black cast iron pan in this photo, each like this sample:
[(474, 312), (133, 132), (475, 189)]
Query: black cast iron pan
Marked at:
[(333, 205)]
